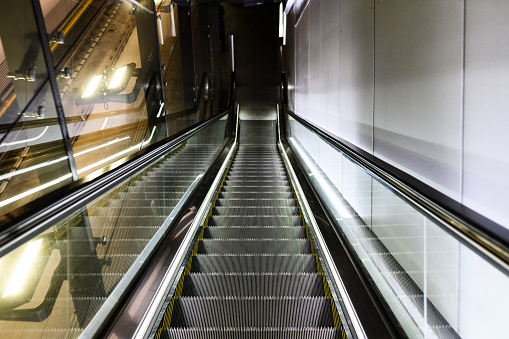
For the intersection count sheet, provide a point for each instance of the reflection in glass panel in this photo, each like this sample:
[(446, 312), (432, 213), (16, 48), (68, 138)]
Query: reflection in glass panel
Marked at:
[(109, 80), (434, 284), (54, 284), (32, 154)]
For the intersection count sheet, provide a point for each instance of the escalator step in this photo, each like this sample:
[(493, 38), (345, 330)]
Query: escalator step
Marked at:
[(253, 285), (252, 312), (282, 232), (252, 333), (290, 220), (255, 195), (260, 188), (255, 202), (254, 246), (254, 263), (254, 210)]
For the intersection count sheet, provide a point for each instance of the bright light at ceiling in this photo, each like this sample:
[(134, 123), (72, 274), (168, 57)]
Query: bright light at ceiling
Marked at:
[(288, 7), (281, 12), (92, 86), (117, 77), (23, 268)]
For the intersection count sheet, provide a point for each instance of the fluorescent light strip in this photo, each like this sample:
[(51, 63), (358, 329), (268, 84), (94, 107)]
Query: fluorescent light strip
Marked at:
[(67, 176), (160, 110), (88, 150), (281, 13), (327, 190), (47, 163), (116, 155), (284, 29), (92, 85), (28, 169), (104, 123), (117, 77), (26, 140), (22, 270), (173, 30), (288, 7), (160, 26), (34, 190)]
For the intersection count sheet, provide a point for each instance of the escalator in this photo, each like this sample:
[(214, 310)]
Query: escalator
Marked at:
[(253, 271)]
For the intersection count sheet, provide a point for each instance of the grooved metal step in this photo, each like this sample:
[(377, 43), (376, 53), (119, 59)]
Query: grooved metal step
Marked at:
[(255, 195), (247, 263), (226, 232), (253, 285), (254, 210), (252, 333), (252, 312), (256, 202), (254, 246), (257, 188), (291, 220)]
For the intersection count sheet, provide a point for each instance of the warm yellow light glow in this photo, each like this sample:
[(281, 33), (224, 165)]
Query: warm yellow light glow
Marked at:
[(117, 77), (92, 85), (24, 266)]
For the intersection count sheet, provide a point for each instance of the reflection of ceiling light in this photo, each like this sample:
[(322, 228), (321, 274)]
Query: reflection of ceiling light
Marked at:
[(92, 85), (117, 77), (20, 274)]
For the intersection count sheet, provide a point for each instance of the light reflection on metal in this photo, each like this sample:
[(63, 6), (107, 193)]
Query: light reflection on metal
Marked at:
[(22, 270)]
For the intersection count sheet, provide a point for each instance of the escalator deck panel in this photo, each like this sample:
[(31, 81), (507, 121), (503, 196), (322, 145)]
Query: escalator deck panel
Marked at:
[(253, 272)]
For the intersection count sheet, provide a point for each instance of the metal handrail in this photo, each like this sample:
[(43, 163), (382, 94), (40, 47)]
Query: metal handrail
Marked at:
[(468, 232)]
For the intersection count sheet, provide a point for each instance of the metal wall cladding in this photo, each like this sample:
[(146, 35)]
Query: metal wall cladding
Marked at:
[(485, 181), (421, 85), (418, 90)]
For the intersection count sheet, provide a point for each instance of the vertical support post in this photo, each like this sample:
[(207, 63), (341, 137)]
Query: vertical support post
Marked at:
[(54, 87)]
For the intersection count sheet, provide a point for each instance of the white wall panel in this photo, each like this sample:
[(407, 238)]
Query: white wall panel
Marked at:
[(315, 110), (289, 55), (302, 66), (356, 79), (486, 180), (484, 301), (418, 89), (329, 65)]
